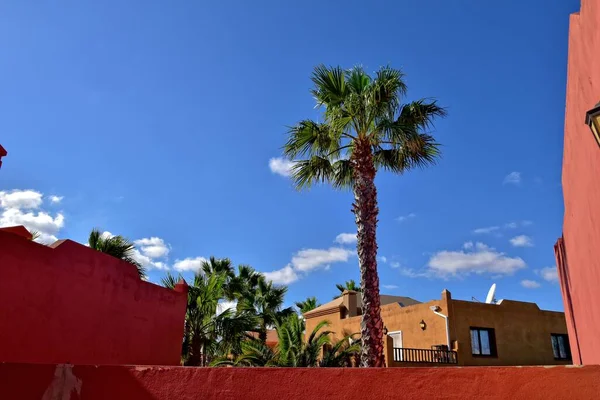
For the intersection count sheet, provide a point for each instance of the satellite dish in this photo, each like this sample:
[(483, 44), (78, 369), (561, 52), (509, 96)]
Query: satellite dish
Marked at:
[(490, 297)]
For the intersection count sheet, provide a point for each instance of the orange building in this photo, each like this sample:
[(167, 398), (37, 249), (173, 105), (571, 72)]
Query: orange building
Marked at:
[(455, 332)]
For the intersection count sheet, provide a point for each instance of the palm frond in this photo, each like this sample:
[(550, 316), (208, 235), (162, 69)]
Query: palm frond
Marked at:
[(357, 80), (314, 170), (169, 280), (116, 246), (330, 85), (419, 152), (308, 138), (421, 113)]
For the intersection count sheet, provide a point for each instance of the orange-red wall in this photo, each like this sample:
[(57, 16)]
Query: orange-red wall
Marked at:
[(25, 382), (580, 275), (73, 304)]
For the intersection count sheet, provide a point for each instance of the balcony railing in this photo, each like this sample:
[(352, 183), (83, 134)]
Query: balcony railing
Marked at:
[(402, 354)]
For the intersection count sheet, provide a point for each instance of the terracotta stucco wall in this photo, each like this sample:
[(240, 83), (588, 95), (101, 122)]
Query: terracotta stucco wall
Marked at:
[(522, 332), (73, 304), (29, 382), (580, 181)]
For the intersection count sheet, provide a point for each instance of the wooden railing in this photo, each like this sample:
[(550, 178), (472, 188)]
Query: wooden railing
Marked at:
[(402, 354)]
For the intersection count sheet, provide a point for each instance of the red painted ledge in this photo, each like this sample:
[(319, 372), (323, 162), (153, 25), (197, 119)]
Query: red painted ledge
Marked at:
[(36, 381), (3, 153)]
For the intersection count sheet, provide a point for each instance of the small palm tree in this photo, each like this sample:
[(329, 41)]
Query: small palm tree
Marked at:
[(208, 334), (217, 266), (293, 350), (340, 354), (244, 282), (349, 285), (309, 304), (365, 128), (266, 302), (116, 246), (35, 235)]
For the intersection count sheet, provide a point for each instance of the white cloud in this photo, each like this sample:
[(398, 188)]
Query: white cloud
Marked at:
[(549, 274), (521, 241), (529, 284), (148, 262), (153, 247), (395, 264), (55, 199), (106, 235), (390, 287), (160, 265), (42, 222), (526, 222), (309, 259), (477, 259), (512, 178), (17, 208), (346, 238), (486, 230), (189, 264), (511, 225), (281, 166), (20, 199), (283, 276), (403, 218), (383, 259)]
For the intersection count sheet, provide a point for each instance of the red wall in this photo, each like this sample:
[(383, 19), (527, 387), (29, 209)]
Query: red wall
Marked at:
[(27, 381), (580, 274), (69, 303)]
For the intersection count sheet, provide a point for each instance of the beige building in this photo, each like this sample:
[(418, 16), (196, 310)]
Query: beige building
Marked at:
[(455, 332)]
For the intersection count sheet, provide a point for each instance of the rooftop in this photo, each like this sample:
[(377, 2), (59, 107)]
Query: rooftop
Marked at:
[(339, 302)]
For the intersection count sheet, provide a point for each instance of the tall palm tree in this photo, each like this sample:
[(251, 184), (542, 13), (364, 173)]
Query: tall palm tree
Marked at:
[(306, 305), (116, 246), (349, 285), (266, 302), (365, 128)]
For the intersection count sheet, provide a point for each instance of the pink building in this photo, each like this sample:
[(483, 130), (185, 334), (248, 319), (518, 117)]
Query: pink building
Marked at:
[(578, 250)]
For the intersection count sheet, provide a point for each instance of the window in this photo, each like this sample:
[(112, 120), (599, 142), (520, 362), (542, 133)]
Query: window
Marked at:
[(483, 342), (560, 346)]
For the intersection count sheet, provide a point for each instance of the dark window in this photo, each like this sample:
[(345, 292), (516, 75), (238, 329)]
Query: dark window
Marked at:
[(560, 346), (483, 342)]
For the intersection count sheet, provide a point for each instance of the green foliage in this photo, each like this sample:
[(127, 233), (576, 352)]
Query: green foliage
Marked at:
[(349, 285), (358, 106), (265, 300), (293, 350), (309, 304), (116, 246), (209, 334)]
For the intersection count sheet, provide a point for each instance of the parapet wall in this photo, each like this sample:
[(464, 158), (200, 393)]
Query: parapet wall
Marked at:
[(67, 303)]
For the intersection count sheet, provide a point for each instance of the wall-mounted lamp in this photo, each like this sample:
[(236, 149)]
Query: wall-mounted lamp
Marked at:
[(592, 119), (423, 325), (385, 331)]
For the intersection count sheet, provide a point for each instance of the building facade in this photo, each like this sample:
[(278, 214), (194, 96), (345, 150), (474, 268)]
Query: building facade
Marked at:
[(449, 332), (577, 251)]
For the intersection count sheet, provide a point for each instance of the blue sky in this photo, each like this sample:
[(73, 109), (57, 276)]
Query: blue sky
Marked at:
[(164, 121)]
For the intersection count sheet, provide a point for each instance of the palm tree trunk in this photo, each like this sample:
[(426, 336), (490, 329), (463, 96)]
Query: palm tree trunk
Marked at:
[(262, 334), (195, 355), (365, 212)]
